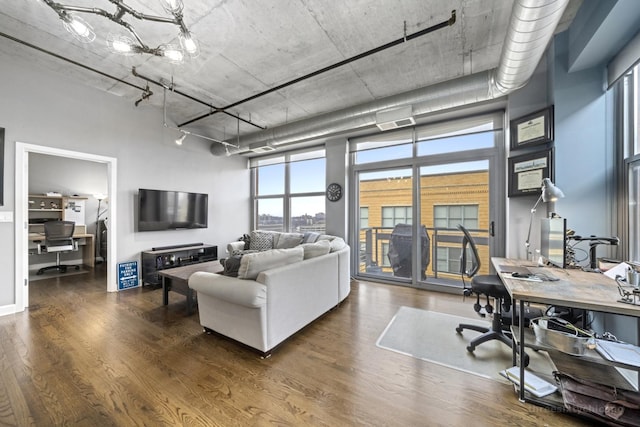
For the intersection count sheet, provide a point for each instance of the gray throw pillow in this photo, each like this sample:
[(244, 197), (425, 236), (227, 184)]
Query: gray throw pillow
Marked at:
[(310, 237), (261, 240), (232, 265)]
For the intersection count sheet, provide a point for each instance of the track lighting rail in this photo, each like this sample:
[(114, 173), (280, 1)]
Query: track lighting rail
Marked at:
[(213, 108), (405, 38)]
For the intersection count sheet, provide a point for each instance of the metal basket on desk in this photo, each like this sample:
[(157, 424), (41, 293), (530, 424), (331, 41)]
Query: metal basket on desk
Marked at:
[(561, 335)]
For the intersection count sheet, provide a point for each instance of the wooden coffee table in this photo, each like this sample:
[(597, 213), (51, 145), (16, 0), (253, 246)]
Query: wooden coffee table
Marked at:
[(177, 280)]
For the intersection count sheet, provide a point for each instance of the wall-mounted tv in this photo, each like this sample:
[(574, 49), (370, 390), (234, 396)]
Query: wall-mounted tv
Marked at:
[(171, 210)]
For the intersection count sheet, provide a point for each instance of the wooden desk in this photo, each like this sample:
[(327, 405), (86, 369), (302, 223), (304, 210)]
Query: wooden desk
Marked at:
[(575, 288), (88, 252)]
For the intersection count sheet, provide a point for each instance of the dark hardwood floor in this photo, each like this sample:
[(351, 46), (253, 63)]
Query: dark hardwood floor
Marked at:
[(81, 356)]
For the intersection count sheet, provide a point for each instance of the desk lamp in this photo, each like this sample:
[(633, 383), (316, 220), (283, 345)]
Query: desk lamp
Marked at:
[(550, 193)]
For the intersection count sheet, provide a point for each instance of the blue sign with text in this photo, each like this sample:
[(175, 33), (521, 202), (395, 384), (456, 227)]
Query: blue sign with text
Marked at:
[(127, 275)]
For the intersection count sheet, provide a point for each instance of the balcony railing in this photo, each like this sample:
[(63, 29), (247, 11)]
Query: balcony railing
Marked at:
[(445, 245)]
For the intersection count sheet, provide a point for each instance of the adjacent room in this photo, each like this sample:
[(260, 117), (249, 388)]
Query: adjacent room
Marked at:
[(301, 213)]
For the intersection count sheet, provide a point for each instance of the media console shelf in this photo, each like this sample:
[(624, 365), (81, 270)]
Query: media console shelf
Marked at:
[(165, 257)]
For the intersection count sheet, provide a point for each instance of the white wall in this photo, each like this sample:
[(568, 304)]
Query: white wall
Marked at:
[(48, 109)]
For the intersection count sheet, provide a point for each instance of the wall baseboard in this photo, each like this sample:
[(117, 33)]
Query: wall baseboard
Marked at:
[(5, 310)]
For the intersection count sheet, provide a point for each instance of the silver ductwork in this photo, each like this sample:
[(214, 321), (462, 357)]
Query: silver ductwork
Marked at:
[(531, 27)]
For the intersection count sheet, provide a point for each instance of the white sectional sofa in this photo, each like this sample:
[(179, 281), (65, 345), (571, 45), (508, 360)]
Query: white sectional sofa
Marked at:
[(278, 291)]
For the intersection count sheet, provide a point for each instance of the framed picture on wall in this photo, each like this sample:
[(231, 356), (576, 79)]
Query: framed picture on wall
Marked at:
[(527, 171), (1, 166), (532, 129)]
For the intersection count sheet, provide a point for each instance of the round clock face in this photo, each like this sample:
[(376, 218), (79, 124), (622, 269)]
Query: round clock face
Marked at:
[(334, 192)]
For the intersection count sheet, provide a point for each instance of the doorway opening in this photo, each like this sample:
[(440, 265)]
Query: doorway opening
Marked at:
[(21, 221)]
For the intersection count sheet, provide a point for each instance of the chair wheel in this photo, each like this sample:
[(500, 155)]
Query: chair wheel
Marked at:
[(459, 330), (526, 359), (471, 348)]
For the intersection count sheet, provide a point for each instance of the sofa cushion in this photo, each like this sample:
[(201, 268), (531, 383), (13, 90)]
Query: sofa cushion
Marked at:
[(337, 244), (252, 264), (288, 240), (312, 250), (261, 240)]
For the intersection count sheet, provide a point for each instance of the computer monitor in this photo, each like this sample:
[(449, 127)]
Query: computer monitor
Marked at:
[(553, 233)]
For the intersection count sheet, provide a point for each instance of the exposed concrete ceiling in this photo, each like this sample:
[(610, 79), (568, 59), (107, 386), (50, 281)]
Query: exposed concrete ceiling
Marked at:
[(249, 47)]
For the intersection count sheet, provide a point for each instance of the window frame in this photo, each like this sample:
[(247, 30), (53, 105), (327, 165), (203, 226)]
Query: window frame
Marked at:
[(286, 158)]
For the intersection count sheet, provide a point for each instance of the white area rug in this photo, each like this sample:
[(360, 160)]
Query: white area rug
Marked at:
[(432, 336)]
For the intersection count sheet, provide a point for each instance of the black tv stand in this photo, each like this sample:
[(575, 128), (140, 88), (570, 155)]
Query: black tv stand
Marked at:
[(161, 258)]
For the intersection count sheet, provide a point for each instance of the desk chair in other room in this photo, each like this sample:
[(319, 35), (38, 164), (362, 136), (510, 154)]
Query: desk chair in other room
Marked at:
[(58, 237), (490, 286)]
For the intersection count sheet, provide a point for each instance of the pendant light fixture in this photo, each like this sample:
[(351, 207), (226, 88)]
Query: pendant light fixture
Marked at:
[(130, 43)]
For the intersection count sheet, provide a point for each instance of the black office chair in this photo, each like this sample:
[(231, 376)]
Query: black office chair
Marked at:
[(490, 286), (58, 237)]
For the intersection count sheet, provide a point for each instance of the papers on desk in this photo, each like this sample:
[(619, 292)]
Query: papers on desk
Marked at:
[(532, 383), (525, 278), (619, 352)]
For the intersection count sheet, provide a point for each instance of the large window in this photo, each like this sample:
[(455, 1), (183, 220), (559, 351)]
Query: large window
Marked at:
[(289, 191), (630, 120)]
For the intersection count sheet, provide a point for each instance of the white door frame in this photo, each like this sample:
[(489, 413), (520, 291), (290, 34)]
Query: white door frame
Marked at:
[(21, 223)]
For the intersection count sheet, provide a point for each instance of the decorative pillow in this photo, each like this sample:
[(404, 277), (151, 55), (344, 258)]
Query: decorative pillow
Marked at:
[(310, 237), (288, 240), (232, 265), (312, 250), (261, 240), (235, 247), (252, 264)]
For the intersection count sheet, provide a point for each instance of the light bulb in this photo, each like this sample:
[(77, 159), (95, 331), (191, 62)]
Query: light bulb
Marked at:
[(172, 6), (121, 44), (173, 54), (80, 29), (181, 139), (189, 44)]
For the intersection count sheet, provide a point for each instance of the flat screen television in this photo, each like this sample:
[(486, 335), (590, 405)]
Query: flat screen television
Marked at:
[(171, 210), (553, 241)]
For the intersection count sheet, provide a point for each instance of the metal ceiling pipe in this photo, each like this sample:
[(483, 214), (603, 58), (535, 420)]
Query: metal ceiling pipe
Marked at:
[(531, 27)]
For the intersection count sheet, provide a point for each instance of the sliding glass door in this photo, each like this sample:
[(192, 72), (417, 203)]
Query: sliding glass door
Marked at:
[(385, 222), (414, 187)]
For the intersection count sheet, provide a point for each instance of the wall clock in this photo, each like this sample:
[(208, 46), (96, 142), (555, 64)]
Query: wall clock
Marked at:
[(334, 192)]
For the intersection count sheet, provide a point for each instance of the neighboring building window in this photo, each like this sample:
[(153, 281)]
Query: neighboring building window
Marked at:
[(289, 191), (449, 216), (364, 218), (392, 215), (449, 260)]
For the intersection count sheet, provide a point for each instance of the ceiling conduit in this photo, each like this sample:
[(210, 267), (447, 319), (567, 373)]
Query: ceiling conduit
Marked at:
[(531, 27)]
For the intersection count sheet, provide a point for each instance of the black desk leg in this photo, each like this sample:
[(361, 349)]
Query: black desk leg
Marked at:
[(514, 348), (165, 291), (522, 354)]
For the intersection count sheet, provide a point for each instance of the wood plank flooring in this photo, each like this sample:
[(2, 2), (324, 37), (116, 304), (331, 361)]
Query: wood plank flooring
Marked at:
[(81, 356)]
